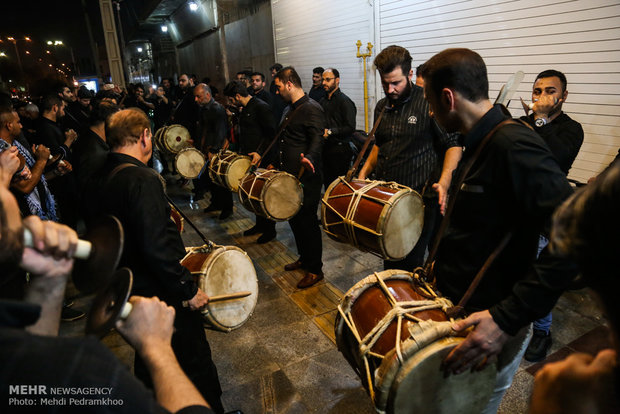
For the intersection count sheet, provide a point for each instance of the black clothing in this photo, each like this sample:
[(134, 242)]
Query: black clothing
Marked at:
[(256, 126), (187, 112), (564, 137), (78, 116), (264, 96), (277, 103), (340, 115), (162, 112), (52, 362), (50, 135), (513, 186), (317, 93), (89, 154), (153, 249)]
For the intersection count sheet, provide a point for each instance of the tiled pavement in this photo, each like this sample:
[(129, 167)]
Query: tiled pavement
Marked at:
[(284, 358)]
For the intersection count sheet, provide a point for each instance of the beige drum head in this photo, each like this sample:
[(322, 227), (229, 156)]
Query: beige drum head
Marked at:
[(176, 137), (237, 169), (420, 386), (282, 196), (229, 270), (189, 162), (403, 225)]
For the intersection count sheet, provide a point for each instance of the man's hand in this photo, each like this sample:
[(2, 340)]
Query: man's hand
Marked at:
[(484, 342), (306, 163), (149, 326), (53, 247), (255, 157), (442, 191), (578, 384), (70, 137), (41, 152), (199, 300), (9, 164), (64, 167), (545, 105)]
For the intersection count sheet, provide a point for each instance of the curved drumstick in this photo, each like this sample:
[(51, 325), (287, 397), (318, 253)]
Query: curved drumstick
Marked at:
[(220, 298)]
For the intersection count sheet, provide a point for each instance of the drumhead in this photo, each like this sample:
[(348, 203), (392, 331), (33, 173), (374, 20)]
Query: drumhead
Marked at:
[(237, 169), (403, 225), (282, 196), (189, 162), (229, 270), (420, 386), (176, 137)]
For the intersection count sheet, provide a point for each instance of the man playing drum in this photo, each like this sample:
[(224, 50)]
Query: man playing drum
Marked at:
[(300, 147), (256, 129), (512, 187), (410, 147), (133, 192)]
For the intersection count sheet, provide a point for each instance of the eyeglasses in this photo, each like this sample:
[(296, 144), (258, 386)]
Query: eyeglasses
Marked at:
[(328, 79)]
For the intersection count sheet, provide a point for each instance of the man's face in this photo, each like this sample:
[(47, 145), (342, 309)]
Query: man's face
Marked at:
[(201, 96), (183, 82), (330, 82), (61, 110), (257, 83), (15, 126), (552, 87), (283, 89), (84, 101), (67, 95), (166, 83), (316, 79), (139, 92), (273, 72), (396, 83)]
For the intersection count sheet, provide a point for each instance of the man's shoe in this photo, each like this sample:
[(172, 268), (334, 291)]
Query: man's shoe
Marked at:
[(539, 346), (266, 237), (293, 266), (69, 314), (309, 280), (211, 208), (225, 214), (252, 231)]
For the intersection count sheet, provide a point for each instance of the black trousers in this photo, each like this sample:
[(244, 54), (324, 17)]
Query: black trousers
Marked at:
[(192, 350), (432, 219), (336, 161), (220, 197), (265, 225), (305, 225)]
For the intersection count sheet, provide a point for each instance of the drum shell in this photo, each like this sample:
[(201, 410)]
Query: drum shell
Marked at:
[(177, 218), (215, 276), (221, 169), (371, 216), (254, 187)]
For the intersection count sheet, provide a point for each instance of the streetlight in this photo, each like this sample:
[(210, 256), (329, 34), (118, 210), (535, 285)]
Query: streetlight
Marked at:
[(60, 43), (193, 6)]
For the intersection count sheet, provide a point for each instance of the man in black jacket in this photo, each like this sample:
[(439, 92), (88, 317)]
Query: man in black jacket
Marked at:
[(126, 188), (507, 196)]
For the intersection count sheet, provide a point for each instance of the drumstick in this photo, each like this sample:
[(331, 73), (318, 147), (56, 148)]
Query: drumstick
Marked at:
[(220, 298)]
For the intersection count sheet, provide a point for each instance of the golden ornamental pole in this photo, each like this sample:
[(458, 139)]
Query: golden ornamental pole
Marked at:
[(364, 56)]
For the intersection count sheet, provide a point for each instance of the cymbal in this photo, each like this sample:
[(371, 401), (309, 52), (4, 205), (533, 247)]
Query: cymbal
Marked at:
[(109, 305)]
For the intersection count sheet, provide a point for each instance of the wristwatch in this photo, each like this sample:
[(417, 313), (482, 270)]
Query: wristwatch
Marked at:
[(329, 132), (540, 122)]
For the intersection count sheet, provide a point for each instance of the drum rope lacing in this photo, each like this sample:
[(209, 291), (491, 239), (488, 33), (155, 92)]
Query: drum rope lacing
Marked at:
[(398, 311)]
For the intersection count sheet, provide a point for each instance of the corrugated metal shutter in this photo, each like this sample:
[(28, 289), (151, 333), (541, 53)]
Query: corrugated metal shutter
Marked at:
[(323, 33), (580, 38)]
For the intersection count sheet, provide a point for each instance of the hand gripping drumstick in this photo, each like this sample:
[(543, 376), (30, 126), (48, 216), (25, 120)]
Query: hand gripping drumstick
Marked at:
[(220, 298)]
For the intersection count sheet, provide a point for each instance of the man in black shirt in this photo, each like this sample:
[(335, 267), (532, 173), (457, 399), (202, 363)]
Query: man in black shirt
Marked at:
[(410, 148), (300, 144), (186, 111), (340, 115), (131, 191), (507, 196), (212, 133), (317, 92), (258, 88), (256, 129), (277, 103)]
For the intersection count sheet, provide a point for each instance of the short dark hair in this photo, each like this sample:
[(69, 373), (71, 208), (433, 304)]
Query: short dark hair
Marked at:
[(125, 127), (235, 87), (460, 69), (49, 101), (419, 71), (334, 71), (6, 115), (276, 66), (392, 57), (262, 77), (101, 112), (550, 73), (319, 70), (289, 74)]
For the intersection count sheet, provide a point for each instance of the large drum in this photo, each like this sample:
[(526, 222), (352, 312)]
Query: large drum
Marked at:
[(384, 218), (223, 270), (157, 139), (190, 163), (276, 195), (393, 330), (227, 168), (174, 138)]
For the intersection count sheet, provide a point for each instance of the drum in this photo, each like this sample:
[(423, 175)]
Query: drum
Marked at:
[(177, 218), (221, 270), (276, 195), (190, 163), (393, 330), (157, 139), (174, 138), (384, 218), (227, 168)]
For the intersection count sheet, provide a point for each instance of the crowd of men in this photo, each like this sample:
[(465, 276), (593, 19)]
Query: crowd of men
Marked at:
[(498, 179)]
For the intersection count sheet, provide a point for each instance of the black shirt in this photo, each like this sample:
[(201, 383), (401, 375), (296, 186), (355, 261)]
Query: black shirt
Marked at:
[(264, 96), (212, 126), (514, 185), (564, 137), (411, 144), (256, 126), (303, 134), (89, 154), (187, 112), (317, 93), (50, 135), (340, 115)]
